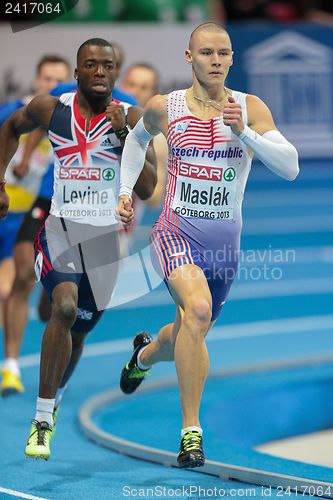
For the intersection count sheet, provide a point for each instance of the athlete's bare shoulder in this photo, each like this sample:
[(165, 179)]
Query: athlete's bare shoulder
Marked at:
[(40, 109), (35, 114), (259, 115), (159, 99), (158, 103), (253, 101), (155, 113)]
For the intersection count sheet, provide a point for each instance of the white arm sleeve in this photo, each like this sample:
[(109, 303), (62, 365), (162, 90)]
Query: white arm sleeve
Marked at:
[(273, 149), (133, 157)]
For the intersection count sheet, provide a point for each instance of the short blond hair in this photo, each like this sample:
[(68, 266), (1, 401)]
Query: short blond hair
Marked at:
[(208, 26)]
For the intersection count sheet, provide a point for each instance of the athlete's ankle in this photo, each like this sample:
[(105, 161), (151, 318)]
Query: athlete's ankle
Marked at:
[(12, 365), (191, 428), (143, 361), (44, 410)]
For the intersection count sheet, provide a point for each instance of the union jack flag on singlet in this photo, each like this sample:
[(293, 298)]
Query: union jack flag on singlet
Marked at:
[(86, 164)]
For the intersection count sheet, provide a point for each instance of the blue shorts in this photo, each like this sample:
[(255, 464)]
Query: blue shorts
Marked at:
[(171, 250), (71, 266), (8, 230)]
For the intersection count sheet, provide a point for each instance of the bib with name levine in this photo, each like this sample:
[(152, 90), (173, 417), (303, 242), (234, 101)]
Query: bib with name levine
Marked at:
[(86, 166)]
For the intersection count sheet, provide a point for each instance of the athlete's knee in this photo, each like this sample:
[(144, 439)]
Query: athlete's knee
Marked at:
[(64, 310), (6, 278), (5, 288), (198, 311), (24, 278)]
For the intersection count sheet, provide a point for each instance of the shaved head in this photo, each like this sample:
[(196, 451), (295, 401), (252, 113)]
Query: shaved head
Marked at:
[(98, 42), (207, 27)]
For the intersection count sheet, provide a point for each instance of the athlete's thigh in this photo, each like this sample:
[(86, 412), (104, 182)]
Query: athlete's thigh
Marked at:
[(187, 283), (180, 264), (48, 271), (24, 256)]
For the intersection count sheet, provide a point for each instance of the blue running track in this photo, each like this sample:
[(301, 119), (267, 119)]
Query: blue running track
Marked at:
[(279, 313)]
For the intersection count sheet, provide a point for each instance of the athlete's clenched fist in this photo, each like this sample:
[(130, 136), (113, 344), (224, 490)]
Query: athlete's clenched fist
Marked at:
[(125, 210), (232, 116), (116, 114)]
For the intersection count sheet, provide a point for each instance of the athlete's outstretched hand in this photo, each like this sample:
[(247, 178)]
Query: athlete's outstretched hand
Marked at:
[(125, 210), (232, 116), (116, 114), (4, 200)]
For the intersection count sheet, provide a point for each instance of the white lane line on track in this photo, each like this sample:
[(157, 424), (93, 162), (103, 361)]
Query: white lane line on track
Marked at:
[(300, 324), (255, 328), (19, 494)]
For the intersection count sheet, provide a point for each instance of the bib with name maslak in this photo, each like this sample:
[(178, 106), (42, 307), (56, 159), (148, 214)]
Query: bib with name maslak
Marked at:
[(208, 165)]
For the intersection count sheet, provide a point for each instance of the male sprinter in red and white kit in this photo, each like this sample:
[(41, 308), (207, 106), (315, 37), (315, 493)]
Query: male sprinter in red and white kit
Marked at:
[(212, 133), (77, 251)]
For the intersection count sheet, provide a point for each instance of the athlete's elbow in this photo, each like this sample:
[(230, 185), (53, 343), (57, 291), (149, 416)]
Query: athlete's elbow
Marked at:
[(10, 129), (293, 168), (293, 173)]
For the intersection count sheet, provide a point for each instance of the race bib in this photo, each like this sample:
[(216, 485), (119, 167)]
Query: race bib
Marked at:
[(87, 194), (205, 192)]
